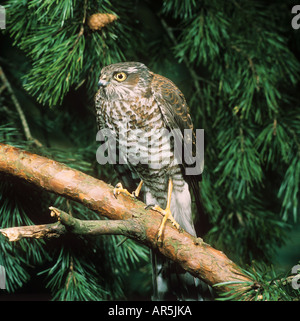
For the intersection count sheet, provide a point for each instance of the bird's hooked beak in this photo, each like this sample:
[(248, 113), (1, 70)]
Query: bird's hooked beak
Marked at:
[(102, 82)]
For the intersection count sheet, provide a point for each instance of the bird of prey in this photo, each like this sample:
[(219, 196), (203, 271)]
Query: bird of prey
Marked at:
[(139, 107)]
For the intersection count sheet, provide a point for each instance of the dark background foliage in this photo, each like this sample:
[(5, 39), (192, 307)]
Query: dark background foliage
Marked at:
[(237, 63)]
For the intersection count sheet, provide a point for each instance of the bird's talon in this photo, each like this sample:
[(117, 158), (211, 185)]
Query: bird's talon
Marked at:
[(119, 189), (148, 206), (174, 223), (159, 240), (167, 216), (116, 193), (157, 208)]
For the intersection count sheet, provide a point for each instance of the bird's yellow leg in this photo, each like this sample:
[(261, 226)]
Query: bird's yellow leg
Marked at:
[(119, 189), (136, 193), (167, 212)]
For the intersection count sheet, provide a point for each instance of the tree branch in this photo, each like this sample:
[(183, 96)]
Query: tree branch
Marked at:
[(131, 217), (68, 224), (34, 231), (96, 227), (14, 99)]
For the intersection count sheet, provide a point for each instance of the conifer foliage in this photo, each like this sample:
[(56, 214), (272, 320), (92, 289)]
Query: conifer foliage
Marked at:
[(237, 62)]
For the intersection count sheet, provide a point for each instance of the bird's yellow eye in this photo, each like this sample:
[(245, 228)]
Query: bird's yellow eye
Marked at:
[(120, 76)]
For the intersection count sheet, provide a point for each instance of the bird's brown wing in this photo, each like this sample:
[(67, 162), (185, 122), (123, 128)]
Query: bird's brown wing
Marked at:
[(172, 103), (174, 109), (175, 113)]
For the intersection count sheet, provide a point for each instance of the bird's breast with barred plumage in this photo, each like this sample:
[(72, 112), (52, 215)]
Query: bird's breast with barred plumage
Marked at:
[(141, 136)]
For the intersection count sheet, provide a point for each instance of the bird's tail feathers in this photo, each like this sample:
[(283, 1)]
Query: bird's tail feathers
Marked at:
[(171, 281)]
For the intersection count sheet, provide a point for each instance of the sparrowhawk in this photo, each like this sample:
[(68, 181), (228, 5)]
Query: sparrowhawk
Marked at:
[(140, 108)]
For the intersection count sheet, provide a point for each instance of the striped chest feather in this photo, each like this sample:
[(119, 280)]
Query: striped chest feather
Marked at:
[(140, 131), (139, 113)]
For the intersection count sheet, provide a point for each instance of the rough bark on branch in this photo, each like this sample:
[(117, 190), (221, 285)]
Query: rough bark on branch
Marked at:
[(132, 219)]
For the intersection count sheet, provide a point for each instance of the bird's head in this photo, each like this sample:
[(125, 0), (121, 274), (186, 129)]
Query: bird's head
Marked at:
[(124, 80)]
